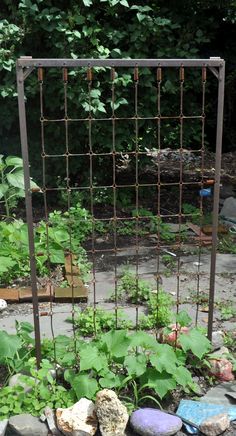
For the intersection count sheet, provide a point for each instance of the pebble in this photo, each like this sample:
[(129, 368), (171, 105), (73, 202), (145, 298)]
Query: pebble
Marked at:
[(215, 425), (153, 422)]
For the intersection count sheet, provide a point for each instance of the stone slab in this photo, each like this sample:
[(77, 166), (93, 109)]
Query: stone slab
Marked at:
[(220, 394)]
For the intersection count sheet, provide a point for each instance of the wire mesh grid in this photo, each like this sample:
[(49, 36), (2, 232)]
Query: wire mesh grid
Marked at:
[(114, 180)]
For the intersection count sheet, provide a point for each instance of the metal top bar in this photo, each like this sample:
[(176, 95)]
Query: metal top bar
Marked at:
[(29, 62)]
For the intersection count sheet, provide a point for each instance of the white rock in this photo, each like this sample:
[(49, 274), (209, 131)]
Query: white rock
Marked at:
[(217, 340), (3, 304), (3, 426), (112, 414), (215, 425), (78, 420)]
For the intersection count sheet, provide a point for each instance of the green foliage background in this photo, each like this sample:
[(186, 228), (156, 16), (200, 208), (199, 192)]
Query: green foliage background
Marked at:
[(113, 29)]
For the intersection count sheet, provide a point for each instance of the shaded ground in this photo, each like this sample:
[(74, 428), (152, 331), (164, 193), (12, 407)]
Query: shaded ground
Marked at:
[(193, 288)]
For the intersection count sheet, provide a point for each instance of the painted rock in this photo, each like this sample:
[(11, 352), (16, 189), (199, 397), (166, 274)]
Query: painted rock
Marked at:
[(154, 422)]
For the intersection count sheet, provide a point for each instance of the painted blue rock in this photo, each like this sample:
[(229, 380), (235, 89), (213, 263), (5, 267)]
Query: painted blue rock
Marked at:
[(154, 422)]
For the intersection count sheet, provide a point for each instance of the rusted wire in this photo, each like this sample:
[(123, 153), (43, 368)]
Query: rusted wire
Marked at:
[(114, 154)]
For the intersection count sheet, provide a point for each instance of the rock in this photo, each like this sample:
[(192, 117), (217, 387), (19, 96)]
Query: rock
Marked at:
[(112, 414), (221, 369), (78, 420), (21, 380), (49, 417), (222, 352), (223, 394), (154, 422), (215, 425), (226, 191), (229, 208), (27, 425), (217, 340), (3, 304), (172, 337), (3, 426)]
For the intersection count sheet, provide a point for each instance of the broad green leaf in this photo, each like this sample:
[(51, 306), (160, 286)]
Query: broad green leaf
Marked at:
[(95, 93), (183, 318), (124, 3), (90, 358), (84, 386), (162, 383), (14, 161), (3, 189), (183, 376), (6, 263), (141, 17), (25, 326), (196, 342), (87, 3), (110, 380), (136, 365), (56, 256), (59, 236), (33, 185), (119, 102), (101, 107), (16, 179), (20, 193), (10, 344), (144, 340), (4, 410), (164, 359), (116, 342), (44, 392)]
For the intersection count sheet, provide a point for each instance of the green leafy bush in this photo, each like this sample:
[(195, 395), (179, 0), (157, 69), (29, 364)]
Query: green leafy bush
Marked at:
[(90, 321), (132, 289), (135, 365), (12, 182), (46, 391), (64, 233)]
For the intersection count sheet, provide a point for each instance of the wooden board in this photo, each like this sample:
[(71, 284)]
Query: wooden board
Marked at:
[(11, 295), (65, 294), (201, 237), (44, 294)]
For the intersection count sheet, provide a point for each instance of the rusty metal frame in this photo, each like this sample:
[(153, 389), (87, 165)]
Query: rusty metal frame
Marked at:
[(24, 67)]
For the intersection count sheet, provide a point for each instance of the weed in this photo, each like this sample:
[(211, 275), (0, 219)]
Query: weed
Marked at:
[(159, 308), (227, 244), (194, 213), (226, 310), (90, 321), (198, 297), (229, 340), (169, 261), (133, 289)]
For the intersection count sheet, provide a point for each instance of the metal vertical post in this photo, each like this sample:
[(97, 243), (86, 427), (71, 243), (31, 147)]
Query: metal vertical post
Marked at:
[(28, 203), (219, 132)]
